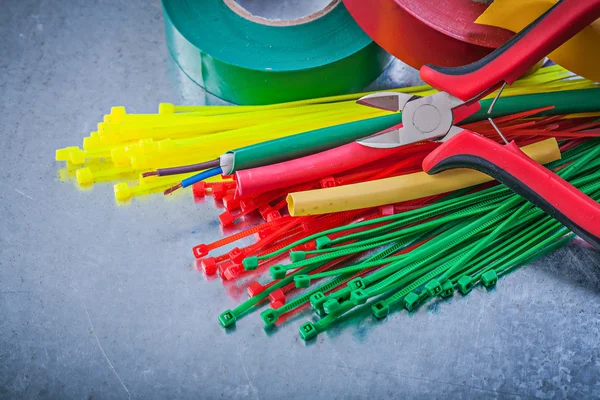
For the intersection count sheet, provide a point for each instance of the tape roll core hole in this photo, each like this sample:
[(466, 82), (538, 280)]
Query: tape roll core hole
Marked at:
[(281, 13)]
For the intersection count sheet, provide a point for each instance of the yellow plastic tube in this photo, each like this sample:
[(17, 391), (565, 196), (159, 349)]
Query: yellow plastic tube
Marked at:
[(581, 54), (401, 188)]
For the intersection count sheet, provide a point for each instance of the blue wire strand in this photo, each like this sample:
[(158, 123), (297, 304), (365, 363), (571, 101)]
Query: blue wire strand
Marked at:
[(201, 176)]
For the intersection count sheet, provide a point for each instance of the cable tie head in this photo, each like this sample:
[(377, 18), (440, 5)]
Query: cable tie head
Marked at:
[(199, 189), (231, 203), (327, 182), (278, 271), (302, 281), (273, 215), (296, 256), (433, 288), (122, 191), (266, 210), (166, 108), (250, 263), (209, 265), (356, 283), (323, 242), (386, 210), (308, 330), (465, 284), (84, 176), (277, 304), (277, 295), (269, 317), (219, 191), (317, 300), (331, 306), (380, 309), (236, 255), (200, 250), (255, 288), (227, 319), (411, 301), (447, 289), (232, 272), (227, 218), (358, 297), (489, 278), (247, 205)]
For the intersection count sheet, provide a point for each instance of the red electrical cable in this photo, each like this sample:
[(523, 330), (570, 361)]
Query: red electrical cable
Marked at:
[(294, 172)]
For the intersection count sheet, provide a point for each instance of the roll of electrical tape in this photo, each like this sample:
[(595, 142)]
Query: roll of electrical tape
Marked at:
[(422, 32), (246, 59)]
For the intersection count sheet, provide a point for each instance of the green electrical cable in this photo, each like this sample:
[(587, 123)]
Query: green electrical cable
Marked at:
[(303, 144), (283, 149), (564, 102)]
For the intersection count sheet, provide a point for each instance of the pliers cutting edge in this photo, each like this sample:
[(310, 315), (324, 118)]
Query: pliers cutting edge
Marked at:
[(433, 118)]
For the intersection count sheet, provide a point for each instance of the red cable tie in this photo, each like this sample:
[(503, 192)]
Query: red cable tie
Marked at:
[(237, 255), (255, 288), (274, 236), (247, 206), (227, 184), (209, 266), (231, 203), (277, 295), (327, 182), (232, 272), (198, 189), (277, 304), (269, 213), (202, 250), (387, 210)]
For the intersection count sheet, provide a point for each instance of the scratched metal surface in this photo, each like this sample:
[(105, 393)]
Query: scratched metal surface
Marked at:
[(100, 302)]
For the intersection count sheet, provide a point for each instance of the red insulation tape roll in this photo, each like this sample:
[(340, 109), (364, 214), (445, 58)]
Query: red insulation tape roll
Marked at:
[(419, 32)]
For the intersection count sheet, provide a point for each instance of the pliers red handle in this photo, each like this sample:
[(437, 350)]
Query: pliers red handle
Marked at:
[(509, 165), (433, 118), (510, 61)]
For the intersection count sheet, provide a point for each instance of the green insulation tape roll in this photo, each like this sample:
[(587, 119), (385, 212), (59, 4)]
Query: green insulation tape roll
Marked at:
[(250, 60)]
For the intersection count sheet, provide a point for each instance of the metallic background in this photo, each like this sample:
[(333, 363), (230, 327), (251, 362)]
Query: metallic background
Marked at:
[(99, 301)]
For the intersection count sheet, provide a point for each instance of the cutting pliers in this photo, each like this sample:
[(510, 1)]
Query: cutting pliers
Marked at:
[(433, 118)]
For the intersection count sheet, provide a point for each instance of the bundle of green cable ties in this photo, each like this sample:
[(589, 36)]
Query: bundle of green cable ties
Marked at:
[(472, 236)]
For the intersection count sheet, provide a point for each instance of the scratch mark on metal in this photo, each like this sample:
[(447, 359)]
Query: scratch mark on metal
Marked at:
[(247, 377), (23, 194), (103, 352)]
